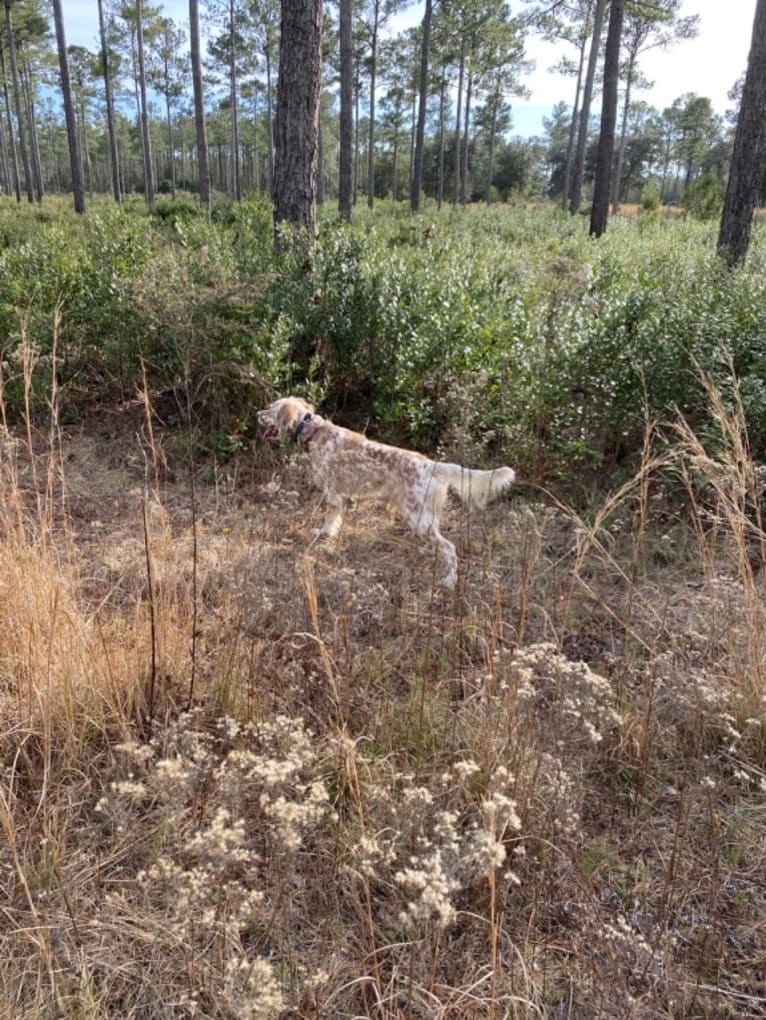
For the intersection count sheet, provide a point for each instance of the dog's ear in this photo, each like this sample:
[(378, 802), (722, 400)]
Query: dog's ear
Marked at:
[(288, 415)]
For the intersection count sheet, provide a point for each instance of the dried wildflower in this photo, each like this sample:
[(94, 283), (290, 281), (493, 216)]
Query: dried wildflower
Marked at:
[(575, 697), (252, 990), (500, 813), (430, 887), (130, 790), (464, 769)]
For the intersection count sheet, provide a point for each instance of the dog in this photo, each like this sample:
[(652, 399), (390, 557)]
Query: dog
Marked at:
[(346, 464)]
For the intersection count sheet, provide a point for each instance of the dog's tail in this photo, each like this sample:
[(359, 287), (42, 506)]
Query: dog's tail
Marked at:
[(475, 488)]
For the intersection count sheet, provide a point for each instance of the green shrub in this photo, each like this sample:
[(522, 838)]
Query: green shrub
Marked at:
[(491, 332)]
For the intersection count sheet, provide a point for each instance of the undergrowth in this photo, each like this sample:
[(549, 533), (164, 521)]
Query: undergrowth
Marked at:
[(477, 332)]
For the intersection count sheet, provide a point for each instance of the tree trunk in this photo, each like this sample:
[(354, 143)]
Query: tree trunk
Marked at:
[(395, 167), (113, 154), (620, 158), (11, 41), (417, 162), (320, 159), (297, 121), (600, 211), (461, 72), (442, 106), (256, 154), (34, 146), (371, 124), (492, 130), (269, 121), (169, 118), (16, 182), (5, 178), (357, 97), (565, 194), (413, 133), (146, 144), (749, 146), (86, 168), (582, 136), (235, 177), (466, 141), (345, 184), (203, 163)]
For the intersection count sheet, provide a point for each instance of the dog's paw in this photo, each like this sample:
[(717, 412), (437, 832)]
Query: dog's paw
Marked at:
[(329, 533)]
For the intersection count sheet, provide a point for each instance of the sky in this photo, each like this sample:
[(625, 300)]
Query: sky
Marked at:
[(708, 65)]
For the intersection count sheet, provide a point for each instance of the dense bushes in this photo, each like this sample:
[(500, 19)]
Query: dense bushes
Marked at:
[(503, 328)]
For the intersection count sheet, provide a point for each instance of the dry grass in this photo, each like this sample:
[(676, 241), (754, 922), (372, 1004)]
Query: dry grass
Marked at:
[(248, 775)]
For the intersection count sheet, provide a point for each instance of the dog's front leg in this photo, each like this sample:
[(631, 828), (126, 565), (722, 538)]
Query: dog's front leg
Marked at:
[(336, 506)]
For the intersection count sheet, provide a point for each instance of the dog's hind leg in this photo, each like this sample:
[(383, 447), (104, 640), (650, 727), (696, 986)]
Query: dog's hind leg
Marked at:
[(423, 522)]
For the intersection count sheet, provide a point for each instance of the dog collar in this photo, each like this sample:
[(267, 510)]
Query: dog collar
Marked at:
[(300, 426)]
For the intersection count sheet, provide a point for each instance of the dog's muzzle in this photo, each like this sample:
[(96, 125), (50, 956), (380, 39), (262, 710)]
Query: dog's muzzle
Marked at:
[(267, 427)]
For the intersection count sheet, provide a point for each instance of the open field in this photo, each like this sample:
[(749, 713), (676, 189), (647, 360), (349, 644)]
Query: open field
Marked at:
[(248, 775)]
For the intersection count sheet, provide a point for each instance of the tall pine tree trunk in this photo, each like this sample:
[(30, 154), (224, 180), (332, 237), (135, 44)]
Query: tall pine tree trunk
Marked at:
[(395, 166), (461, 73), (269, 122), (749, 149), (169, 119), (371, 123), (256, 153), (5, 177), (357, 99), (345, 183), (442, 108), (567, 187), (621, 145), (75, 162), (578, 167), (146, 144), (466, 141), (492, 130), (320, 159), (114, 158), (34, 145), (200, 127), (297, 121), (14, 161), (20, 127), (236, 182), (413, 133), (603, 183), (420, 131)]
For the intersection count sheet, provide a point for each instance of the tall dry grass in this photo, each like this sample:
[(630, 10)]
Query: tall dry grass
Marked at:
[(249, 776)]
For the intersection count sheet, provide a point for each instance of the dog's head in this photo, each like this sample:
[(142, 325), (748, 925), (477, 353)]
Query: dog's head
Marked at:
[(283, 416)]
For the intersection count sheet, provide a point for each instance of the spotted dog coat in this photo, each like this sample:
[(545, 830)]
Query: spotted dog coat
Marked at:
[(346, 464)]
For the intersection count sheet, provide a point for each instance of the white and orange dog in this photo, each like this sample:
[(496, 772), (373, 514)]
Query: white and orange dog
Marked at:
[(346, 464)]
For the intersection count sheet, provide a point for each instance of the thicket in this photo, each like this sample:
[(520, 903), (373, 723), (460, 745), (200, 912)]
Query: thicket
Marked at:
[(474, 331)]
